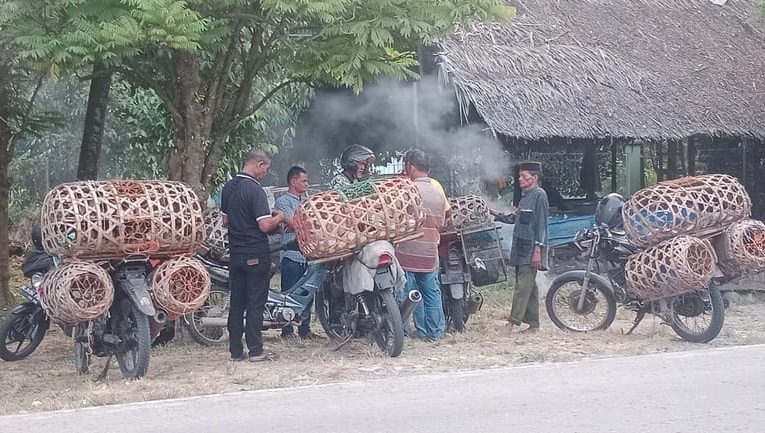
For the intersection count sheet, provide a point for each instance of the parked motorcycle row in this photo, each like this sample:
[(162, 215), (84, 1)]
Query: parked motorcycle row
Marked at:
[(355, 298)]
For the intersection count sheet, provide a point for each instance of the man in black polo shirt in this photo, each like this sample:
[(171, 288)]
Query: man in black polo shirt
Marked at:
[(248, 217)]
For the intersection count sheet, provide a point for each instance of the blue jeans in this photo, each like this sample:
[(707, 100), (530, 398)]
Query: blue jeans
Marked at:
[(429, 315), (291, 273)]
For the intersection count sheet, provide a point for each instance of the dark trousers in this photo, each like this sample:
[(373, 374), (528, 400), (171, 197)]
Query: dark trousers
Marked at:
[(292, 271), (525, 297), (248, 282)]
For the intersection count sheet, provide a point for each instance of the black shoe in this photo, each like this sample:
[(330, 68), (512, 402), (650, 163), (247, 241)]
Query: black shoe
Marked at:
[(237, 358)]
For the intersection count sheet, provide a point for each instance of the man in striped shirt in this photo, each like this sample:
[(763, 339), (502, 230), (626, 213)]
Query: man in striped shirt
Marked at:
[(419, 257)]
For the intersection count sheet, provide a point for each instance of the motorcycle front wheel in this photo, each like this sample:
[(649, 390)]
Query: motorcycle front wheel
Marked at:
[(133, 325), (698, 317), (216, 306), (563, 300), (389, 335), (328, 309), (21, 333)]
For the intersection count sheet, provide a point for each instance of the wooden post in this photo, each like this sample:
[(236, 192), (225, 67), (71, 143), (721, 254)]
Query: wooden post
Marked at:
[(692, 155), (614, 167), (672, 159), (660, 161)]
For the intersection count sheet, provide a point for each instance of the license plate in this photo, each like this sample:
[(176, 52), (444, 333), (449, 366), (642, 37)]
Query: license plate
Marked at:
[(29, 293), (384, 279), (455, 278)]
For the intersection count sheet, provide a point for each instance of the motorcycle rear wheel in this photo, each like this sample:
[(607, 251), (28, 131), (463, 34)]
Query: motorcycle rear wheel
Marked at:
[(705, 306), (456, 316), (134, 360), (562, 299), (215, 306), (390, 334), (20, 335)]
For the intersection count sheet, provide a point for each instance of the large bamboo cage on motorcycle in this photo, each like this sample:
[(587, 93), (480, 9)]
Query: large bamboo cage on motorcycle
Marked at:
[(688, 206), (180, 286), (216, 234), (680, 265), (76, 292), (741, 248), (216, 238), (108, 220), (335, 223), (467, 211)]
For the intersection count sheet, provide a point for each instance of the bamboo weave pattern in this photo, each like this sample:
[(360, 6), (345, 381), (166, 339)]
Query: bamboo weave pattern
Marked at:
[(684, 206), (180, 286), (674, 267), (741, 248), (76, 292), (108, 220), (335, 223)]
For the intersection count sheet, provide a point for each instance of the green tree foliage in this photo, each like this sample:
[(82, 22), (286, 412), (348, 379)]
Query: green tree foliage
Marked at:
[(252, 50)]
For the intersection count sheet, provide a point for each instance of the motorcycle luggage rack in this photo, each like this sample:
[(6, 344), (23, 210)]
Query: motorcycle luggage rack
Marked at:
[(483, 254)]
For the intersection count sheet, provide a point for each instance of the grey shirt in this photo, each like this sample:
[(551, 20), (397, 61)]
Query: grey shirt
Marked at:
[(530, 228)]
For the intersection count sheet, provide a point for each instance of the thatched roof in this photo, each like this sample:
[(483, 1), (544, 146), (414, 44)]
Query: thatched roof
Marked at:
[(619, 68)]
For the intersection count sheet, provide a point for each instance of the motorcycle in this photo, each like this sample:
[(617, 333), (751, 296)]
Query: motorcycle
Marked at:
[(124, 330), (208, 325), (341, 322), (468, 258), (591, 299), (358, 299), (26, 324)]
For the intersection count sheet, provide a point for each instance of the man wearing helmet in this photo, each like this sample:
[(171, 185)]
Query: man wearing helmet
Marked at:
[(528, 252), (356, 160)]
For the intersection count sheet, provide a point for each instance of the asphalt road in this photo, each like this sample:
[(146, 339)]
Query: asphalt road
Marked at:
[(707, 390)]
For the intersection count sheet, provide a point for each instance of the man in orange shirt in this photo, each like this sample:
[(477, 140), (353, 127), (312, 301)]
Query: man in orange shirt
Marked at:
[(419, 257)]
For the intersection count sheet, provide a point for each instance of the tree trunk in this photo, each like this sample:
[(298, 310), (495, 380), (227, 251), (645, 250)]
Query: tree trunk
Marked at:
[(5, 159), (95, 118), (191, 126)]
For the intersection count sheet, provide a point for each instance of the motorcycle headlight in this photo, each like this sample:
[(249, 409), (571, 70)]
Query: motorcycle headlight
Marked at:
[(36, 280)]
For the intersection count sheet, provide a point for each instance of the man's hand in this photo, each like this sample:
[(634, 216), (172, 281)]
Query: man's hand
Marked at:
[(536, 258), (279, 216)]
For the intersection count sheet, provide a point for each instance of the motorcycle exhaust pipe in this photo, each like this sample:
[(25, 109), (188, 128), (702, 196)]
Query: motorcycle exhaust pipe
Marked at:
[(160, 317), (409, 304), (474, 303), (214, 322)]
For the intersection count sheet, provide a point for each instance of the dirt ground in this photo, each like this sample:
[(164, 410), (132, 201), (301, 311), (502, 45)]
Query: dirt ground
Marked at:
[(47, 380)]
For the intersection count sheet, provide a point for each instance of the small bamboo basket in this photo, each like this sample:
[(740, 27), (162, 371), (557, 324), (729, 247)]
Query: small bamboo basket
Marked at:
[(108, 220), (741, 248), (689, 206), (467, 211), (76, 292), (335, 223), (216, 234), (180, 286), (680, 265)]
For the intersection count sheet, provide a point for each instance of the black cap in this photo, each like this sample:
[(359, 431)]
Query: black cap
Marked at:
[(530, 166)]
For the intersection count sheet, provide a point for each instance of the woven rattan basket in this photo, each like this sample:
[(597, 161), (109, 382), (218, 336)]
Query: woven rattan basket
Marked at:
[(467, 211), (107, 220), (335, 223), (180, 286), (76, 292), (741, 248), (690, 206), (679, 265)]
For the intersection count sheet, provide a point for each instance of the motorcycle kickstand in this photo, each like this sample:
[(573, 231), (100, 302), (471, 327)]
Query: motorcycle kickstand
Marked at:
[(101, 376), (638, 319), (343, 342)]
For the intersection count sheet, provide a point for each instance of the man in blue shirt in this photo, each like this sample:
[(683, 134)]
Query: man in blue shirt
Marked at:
[(293, 263), (249, 219)]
